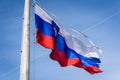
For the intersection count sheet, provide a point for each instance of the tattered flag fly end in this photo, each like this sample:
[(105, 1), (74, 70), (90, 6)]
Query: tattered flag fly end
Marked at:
[(66, 49)]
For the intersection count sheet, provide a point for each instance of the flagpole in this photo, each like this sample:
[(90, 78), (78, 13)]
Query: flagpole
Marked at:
[(25, 52)]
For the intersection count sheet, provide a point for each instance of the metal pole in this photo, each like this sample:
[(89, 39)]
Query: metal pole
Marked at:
[(25, 52)]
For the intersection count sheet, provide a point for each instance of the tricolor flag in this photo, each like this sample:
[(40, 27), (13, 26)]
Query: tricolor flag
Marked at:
[(66, 48)]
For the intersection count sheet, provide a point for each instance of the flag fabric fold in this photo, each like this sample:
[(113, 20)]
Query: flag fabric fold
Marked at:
[(66, 48)]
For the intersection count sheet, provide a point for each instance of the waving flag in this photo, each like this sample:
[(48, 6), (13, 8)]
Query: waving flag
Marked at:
[(66, 48), (71, 51)]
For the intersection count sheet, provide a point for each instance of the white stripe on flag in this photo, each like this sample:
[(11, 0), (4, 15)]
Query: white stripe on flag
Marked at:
[(40, 12)]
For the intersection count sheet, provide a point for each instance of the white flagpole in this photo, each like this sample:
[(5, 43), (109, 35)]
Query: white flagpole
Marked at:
[(25, 52)]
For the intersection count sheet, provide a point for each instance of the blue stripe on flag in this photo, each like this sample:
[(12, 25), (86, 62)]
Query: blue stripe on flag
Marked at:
[(44, 27)]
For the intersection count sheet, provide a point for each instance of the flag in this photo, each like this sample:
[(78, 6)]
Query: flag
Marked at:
[(71, 51), (66, 48)]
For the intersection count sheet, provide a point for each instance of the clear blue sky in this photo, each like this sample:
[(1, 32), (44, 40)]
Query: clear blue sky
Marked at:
[(99, 19)]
